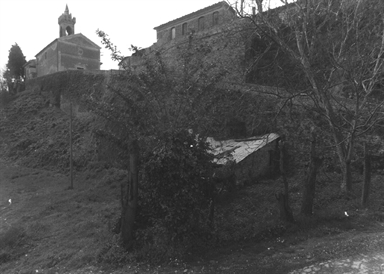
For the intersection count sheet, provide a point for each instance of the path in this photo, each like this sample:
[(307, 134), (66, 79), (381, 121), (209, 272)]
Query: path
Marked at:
[(371, 264)]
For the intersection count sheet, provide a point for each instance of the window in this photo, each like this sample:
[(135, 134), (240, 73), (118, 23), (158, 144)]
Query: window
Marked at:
[(184, 29), (69, 30), (173, 33), (215, 17), (80, 68), (201, 23)]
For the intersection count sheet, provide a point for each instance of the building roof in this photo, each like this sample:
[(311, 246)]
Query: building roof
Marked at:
[(193, 15), (30, 63), (68, 38), (238, 150)]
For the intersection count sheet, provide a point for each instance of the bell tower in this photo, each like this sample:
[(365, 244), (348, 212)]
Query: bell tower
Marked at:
[(67, 23)]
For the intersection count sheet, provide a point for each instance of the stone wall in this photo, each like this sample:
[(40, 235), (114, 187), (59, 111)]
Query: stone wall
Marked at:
[(71, 85), (224, 50), (197, 22), (228, 102), (73, 56), (47, 61)]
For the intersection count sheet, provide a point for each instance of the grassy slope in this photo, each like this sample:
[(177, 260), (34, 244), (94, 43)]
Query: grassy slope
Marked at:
[(37, 135), (52, 229)]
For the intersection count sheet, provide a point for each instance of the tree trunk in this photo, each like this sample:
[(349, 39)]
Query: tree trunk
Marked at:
[(211, 193), (129, 198), (367, 177), (342, 149), (70, 147), (211, 215), (283, 198), (310, 182), (346, 184), (285, 211)]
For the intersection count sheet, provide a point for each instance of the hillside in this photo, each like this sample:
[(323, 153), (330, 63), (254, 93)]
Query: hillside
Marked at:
[(46, 228), (36, 135)]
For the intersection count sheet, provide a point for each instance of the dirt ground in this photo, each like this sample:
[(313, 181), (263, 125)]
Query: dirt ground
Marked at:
[(47, 228)]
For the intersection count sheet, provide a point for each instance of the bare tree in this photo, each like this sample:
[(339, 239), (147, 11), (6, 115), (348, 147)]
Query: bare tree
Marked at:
[(337, 46), (310, 182)]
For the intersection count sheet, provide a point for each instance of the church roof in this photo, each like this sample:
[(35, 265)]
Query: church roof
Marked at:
[(63, 38), (30, 63), (69, 37)]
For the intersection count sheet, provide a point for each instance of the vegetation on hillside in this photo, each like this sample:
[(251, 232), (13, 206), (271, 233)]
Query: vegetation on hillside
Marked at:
[(330, 52), (325, 54), (169, 111), (146, 131), (14, 71)]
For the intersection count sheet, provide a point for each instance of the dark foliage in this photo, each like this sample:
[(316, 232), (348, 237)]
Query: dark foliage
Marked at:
[(16, 60), (176, 186)]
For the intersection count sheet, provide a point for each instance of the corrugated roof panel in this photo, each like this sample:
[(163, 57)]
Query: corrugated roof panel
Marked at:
[(238, 149)]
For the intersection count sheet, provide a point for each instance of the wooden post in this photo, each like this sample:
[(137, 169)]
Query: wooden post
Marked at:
[(367, 177), (310, 182), (211, 207), (70, 145), (282, 148), (283, 198), (129, 199)]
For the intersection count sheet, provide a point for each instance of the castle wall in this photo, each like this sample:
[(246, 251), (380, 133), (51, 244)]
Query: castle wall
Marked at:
[(228, 102)]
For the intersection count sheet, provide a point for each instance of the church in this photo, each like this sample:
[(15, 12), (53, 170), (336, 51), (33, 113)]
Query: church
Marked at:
[(68, 52)]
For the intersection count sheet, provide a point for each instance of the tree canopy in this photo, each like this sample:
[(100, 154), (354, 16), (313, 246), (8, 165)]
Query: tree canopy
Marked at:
[(16, 60), (332, 53)]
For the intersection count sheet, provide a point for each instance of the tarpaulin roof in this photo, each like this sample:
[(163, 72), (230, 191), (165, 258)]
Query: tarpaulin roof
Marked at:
[(238, 149)]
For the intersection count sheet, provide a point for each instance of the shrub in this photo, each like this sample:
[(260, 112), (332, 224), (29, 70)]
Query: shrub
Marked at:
[(176, 188), (5, 98)]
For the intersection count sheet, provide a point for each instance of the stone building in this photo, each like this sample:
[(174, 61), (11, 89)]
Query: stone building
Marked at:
[(195, 22), (30, 69), (207, 23), (68, 52)]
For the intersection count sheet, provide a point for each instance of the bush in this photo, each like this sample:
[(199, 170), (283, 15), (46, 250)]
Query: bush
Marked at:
[(5, 98), (176, 189)]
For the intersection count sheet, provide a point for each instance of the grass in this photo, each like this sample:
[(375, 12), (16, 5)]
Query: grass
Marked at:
[(61, 228), (253, 215), (12, 244), (51, 228), (11, 237)]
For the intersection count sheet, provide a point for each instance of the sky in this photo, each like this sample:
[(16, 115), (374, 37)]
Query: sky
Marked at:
[(33, 24)]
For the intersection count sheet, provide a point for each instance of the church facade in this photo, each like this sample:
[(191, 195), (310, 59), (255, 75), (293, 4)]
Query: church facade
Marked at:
[(68, 52)]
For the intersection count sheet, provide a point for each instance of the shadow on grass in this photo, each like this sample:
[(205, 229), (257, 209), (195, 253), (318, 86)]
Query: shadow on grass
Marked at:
[(11, 241)]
